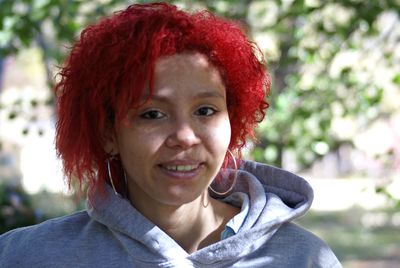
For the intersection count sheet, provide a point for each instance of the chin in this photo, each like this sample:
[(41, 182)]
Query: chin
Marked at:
[(179, 199)]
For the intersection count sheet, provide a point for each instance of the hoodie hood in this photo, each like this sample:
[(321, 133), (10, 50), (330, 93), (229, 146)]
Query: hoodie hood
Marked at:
[(276, 197)]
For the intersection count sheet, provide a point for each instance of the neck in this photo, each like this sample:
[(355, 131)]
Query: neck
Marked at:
[(193, 225)]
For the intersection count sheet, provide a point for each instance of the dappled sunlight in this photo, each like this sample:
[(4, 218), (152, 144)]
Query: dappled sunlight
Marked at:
[(375, 219), (360, 225), (358, 236), (40, 168), (341, 194), (334, 111)]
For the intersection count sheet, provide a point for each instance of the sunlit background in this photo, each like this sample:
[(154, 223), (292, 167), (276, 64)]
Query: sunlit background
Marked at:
[(334, 115)]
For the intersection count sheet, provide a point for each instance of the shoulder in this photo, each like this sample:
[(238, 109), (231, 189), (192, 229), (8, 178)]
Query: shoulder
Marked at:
[(277, 179), (50, 228), (302, 246), (265, 170), (45, 240)]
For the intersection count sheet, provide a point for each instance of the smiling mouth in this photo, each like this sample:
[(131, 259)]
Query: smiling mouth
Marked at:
[(181, 168)]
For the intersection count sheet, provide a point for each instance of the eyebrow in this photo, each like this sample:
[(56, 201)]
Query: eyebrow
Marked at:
[(210, 94), (202, 95)]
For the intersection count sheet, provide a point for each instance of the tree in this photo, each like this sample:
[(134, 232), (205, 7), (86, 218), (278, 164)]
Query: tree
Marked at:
[(322, 56), (312, 84)]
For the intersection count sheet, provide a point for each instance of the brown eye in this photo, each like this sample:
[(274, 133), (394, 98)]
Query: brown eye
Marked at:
[(205, 111), (152, 114)]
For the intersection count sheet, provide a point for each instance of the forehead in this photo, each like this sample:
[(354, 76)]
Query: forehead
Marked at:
[(180, 75), (183, 59), (184, 66)]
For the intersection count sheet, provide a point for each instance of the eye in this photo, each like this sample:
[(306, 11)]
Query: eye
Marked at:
[(205, 111), (152, 114)]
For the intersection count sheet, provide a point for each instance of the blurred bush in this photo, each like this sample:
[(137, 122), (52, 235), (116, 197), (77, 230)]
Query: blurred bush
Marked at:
[(334, 64), (19, 208), (16, 208), (334, 68)]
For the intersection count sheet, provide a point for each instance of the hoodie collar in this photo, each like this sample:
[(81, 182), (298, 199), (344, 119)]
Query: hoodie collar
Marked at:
[(276, 197)]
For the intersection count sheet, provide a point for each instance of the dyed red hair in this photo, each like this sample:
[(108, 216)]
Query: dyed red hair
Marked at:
[(109, 65)]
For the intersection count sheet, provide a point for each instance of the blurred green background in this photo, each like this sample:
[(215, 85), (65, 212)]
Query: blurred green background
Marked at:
[(334, 115)]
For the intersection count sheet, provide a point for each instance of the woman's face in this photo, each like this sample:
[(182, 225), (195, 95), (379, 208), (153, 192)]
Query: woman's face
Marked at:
[(174, 144)]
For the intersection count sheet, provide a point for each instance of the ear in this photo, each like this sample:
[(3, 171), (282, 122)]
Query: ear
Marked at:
[(110, 144)]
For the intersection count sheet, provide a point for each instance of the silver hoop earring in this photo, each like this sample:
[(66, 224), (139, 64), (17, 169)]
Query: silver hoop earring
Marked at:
[(234, 178), (110, 175)]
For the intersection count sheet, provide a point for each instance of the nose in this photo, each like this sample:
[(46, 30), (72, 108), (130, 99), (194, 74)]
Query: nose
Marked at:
[(183, 136)]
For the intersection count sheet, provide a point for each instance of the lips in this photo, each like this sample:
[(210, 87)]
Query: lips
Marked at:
[(181, 169)]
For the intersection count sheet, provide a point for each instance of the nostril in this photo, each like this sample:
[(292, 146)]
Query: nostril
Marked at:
[(183, 138)]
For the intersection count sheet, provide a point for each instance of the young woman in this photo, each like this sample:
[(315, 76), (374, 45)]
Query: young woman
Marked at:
[(154, 107)]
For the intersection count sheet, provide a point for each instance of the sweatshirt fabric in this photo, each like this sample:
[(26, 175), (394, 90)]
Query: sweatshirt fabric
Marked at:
[(112, 233)]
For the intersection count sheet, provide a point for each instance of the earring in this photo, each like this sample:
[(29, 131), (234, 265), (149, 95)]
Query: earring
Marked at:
[(110, 175), (234, 177)]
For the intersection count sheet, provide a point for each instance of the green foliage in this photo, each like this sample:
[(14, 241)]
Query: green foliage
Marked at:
[(307, 95), (16, 208), (309, 47), (383, 191), (369, 237), (19, 209), (396, 79)]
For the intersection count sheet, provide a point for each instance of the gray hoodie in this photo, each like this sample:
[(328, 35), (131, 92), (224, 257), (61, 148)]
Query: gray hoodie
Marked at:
[(112, 233)]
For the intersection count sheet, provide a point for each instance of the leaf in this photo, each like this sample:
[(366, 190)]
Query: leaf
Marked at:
[(258, 154), (12, 115), (34, 103), (40, 132), (25, 131), (396, 79)]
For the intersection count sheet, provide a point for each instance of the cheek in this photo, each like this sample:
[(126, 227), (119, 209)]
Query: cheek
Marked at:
[(139, 145), (219, 136)]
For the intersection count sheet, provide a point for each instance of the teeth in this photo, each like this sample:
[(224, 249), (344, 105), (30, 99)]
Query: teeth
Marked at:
[(182, 167)]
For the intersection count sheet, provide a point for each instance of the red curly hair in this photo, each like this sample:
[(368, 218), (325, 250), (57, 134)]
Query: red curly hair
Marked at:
[(109, 65)]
